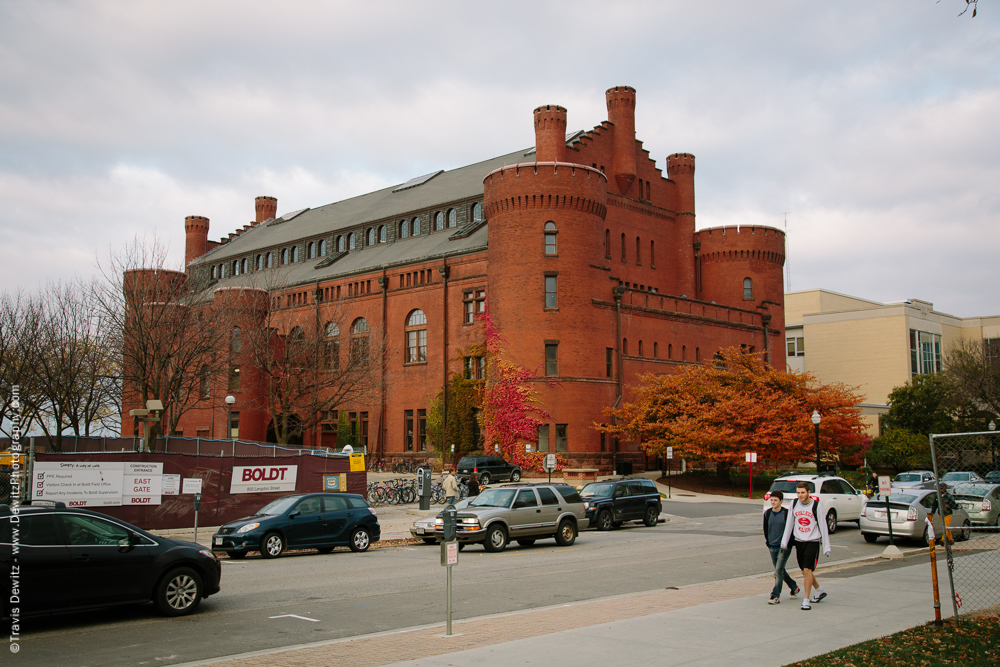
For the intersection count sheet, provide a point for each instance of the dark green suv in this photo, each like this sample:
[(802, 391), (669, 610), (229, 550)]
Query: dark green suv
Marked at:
[(610, 503), (489, 469)]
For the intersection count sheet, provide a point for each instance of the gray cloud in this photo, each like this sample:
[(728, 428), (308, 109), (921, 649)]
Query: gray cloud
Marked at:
[(871, 125)]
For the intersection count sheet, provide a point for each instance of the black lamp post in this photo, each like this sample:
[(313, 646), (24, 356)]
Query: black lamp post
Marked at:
[(229, 418), (993, 446), (816, 419)]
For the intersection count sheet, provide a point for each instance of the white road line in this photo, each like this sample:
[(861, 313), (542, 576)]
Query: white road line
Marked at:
[(301, 618)]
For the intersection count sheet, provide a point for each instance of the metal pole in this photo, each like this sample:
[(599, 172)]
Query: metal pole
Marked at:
[(888, 517), (448, 632), (947, 545), (670, 465), (751, 479), (229, 427), (816, 426), (196, 526), (934, 579)]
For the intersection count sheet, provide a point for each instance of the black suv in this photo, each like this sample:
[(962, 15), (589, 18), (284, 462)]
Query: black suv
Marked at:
[(612, 502), (489, 469), (65, 559)]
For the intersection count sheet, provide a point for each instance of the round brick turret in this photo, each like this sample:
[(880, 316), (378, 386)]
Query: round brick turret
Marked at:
[(621, 113), (550, 133), (195, 237), (680, 169), (730, 255), (267, 208)]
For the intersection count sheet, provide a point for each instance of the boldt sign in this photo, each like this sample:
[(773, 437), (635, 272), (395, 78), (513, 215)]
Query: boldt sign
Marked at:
[(263, 479)]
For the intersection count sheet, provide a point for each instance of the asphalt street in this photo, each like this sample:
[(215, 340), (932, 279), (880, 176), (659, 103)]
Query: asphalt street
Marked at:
[(310, 597)]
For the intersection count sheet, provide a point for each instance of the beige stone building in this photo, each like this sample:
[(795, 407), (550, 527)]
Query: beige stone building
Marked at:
[(873, 346)]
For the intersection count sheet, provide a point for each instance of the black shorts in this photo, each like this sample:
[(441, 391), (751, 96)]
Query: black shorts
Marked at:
[(807, 554)]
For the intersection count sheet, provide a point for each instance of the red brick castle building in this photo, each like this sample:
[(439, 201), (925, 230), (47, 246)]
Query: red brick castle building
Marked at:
[(588, 255)]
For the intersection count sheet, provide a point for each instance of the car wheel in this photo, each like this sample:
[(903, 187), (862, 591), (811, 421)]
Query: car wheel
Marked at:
[(272, 545), (525, 543), (360, 540), (236, 555), (325, 550), (965, 534), (831, 522), (496, 539), (430, 540), (179, 592), (461, 546), (652, 516), (566, 533), (870, 538), (484, 479), (604, 520), (515, 476)]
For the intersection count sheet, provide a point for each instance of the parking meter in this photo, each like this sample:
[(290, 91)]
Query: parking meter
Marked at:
[(424, 487), (197, 506), (450, 517), (197, 501)]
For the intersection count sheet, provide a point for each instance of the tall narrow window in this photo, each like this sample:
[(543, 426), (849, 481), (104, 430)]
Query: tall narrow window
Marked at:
[(234, 426), (311, 250), (697, 354), (550, 238), (652, 254), (562, 439), (236, 268), (684, 353), (474, 302), (452, 218), (234, 379), (747, 289), (543, 437), (322, 248), (408, 429), (415, 227), (331, 347), (382, 234), (438, 221), (609, 360), (638, 252), (295, 254), (404, 229), (359, 342), (214, 273), (206, 381), (237, 342), (243, 265), (422, 430), (260, 262), (363, 435), (350, 241), (656, 350), (477, 212), (416, 337), (341, 243), (371, 236), (640, 348), (624, 258), (607, 243), (552, 359), (670, 350), (550, 291), (624, 345)]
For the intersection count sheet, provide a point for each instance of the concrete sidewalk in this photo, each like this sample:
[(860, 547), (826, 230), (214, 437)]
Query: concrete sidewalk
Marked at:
[(723, 623)]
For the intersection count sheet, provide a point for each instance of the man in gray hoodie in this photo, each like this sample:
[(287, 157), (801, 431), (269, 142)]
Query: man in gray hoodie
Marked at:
[(775, 519), (806, 529)]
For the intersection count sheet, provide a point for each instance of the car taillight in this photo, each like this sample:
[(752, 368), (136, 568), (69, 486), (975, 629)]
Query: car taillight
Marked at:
[(864, 511), (911, 514), (767, 496), (814, 497), (987, 506)]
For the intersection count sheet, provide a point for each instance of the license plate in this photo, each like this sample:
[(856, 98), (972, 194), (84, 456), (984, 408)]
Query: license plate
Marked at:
[(879, 515), (218, 541), (420, 531)]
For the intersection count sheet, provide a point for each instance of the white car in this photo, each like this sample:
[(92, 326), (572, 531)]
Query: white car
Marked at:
[(841, 500)]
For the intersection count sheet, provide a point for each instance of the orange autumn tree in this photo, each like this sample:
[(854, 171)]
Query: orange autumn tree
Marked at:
[(720, 410)]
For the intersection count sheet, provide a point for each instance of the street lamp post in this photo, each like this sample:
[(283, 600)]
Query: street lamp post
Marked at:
[(993, 446), (816, 419), (229, 421)]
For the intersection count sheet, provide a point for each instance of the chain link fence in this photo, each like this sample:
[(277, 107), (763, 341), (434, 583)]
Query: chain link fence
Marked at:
[(966, 465)]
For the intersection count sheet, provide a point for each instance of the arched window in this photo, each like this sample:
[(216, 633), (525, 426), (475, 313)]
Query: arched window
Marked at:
[(236, 343), (295, 254), (624, 345), (359, 342), (623, 247), (638, 252), (607, 243), (222, 270), (381, 234), (416, 337), (243, 265), (331, 346), (640, 348), (311, 250), (550, 238), (269, 260), (747, 289), (477, 212), (415, 227), (371, 236), (404, 229), (322, 248), (236, 267), (438, 221), (452, 218), (213, 273), (284, 255), (350, 241), (259, 264), (341, 244), (684, 353), (652, 254), (206, 381)]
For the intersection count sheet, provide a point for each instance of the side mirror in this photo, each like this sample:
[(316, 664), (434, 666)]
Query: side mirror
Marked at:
[(293, 514), (857, 492)]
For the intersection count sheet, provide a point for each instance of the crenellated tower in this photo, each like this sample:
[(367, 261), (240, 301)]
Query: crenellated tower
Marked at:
[(550, 133), (621, 114), (267, 208), (196, 237)]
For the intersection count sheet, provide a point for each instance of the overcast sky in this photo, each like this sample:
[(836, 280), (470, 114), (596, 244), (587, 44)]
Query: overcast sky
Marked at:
[(872, 125)]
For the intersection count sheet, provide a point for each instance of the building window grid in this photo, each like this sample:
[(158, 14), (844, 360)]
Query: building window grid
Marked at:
[(550, 292), (551, 359), (796, 346), (474, 303), (543, 437), (925, 352), (562, 439), (550, 238)]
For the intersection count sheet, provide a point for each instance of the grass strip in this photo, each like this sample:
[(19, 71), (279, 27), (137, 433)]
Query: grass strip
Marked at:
[(973, 642)]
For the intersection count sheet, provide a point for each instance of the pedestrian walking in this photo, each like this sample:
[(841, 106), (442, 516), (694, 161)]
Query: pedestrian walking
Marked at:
[(473, 484), (873, 484), (450, 487), (805, 528), (775, 518)]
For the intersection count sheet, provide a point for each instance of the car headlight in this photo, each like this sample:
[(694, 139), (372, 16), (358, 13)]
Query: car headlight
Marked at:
[(247, 528), (471, 521), (586, 506)]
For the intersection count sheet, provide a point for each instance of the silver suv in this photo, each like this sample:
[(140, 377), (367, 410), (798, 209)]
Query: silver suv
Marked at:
[(520, 512)]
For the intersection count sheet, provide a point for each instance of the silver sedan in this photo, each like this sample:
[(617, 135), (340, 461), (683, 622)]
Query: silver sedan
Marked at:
[(908, 511)]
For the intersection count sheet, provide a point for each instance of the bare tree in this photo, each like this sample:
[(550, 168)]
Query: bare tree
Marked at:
[(973, 370), (20, 325), (171, 334)]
